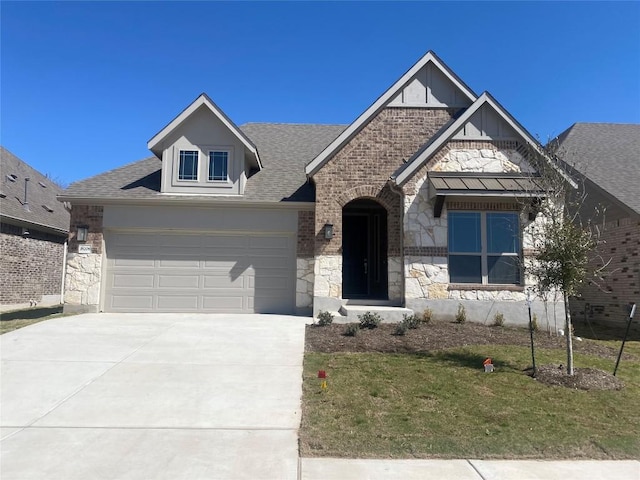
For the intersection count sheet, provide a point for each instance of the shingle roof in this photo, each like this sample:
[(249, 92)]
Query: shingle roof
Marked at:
[(44, 208), (608, 154), (284, 149)]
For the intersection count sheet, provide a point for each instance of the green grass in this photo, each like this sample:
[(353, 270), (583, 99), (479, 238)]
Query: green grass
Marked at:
[(14, 320), (444, 405)]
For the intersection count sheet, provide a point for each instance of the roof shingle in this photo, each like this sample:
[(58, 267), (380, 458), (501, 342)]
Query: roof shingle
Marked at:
[(44, 208), (608, 154), (284, 149)]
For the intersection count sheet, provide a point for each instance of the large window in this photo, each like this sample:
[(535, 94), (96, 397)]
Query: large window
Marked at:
[(188, 168), (484, 247), (218, 166)]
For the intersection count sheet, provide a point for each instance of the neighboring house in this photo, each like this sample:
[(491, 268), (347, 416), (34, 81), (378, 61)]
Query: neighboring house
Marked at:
[(607, 156), (423, 201), (34, 228)]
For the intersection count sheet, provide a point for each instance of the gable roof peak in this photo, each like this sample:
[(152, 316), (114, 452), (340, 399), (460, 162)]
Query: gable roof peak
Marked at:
[(422, 156), (428, 58), (154, 144)]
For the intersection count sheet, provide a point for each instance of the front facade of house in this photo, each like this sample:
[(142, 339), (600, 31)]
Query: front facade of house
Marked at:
[(424, 201)]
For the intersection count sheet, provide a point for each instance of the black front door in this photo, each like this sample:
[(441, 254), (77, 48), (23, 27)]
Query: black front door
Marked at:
[(364, 250)]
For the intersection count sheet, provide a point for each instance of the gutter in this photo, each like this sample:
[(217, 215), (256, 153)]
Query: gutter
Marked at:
[(186, 200), (42, 226)]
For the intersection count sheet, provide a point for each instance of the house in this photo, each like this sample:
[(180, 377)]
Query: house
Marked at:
[(607, 156), (33, 234), (423, 201)]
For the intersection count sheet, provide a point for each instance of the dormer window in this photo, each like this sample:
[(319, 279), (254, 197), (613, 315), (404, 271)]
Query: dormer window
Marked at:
[(219, 166), (188, 168)]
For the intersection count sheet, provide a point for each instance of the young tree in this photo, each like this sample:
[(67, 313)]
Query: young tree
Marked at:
[(565, 239)]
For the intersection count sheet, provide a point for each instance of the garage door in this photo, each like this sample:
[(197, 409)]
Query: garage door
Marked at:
[(203, 272)]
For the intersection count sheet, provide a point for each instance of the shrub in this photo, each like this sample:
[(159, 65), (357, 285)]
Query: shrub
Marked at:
[(351, 330), (401, 329), (369, 320), (411, 321), (324, 318), (427, 315), (498, 320), (461, 316), (534, 322)]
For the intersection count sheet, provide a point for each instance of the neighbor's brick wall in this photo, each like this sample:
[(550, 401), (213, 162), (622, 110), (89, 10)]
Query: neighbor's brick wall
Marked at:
[(29, 266), (89, 216), (362, 168), (621, 285)]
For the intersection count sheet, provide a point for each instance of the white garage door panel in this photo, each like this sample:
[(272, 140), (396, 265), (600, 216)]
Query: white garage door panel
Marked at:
[(132, 280), (126, 302), (208, 272)]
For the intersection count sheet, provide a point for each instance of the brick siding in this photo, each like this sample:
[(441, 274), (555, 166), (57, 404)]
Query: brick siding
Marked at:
[(30, 266), (306, 233), (89, 216), (621, 284), (361, 169)]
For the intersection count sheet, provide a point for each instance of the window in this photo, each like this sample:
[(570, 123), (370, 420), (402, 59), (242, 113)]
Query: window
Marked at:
[(188, 168), (484, 247), (218, 166)]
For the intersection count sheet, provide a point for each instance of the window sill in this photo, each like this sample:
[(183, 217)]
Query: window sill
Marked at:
[(492, 287)]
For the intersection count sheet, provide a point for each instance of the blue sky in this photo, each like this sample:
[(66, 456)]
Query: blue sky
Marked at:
[(84, 85)]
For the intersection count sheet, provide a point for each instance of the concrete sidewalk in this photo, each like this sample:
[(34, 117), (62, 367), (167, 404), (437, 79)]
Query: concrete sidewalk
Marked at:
[(351, 469)]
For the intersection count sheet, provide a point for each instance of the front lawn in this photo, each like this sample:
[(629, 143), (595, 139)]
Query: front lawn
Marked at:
[(16, 319), (439, 402)]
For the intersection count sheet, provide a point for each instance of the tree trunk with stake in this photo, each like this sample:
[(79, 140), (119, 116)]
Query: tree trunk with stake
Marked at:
[(567, 332)]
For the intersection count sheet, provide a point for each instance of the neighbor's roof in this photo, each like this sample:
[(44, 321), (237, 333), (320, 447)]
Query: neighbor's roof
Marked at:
[(608, 154), (44, 208), (284, 150)]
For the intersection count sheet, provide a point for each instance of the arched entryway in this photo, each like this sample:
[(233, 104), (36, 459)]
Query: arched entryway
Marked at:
[(364, 250)]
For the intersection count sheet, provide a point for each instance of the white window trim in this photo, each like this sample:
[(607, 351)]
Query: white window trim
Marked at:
[(177, 163), (484, 254), (229, 151)]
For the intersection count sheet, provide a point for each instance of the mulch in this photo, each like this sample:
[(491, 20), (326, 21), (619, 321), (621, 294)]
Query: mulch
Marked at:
[(440, 335)]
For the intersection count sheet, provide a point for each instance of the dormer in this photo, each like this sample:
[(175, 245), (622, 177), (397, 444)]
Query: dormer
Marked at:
[(204, 152)]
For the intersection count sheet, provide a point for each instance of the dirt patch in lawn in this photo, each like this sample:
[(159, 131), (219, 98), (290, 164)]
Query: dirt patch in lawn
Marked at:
[(438, 335)]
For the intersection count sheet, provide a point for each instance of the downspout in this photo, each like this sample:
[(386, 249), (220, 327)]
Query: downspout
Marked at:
[(395, 188), (64, 269)]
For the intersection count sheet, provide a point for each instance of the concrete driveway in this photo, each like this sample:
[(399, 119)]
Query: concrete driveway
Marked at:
[(152, 396)]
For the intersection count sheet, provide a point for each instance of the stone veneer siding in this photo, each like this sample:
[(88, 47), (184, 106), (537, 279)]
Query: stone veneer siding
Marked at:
[(84, 270), (361, 169), (30, 266), (426, 272), (610, 298), (305, 262)]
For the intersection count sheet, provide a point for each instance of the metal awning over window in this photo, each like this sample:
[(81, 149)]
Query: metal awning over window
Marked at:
[(443, 184)]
